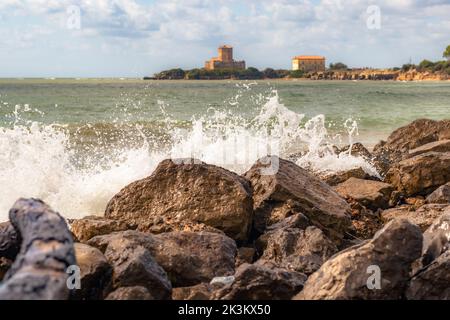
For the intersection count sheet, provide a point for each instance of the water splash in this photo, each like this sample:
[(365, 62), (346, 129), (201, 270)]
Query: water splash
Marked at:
[(78, 173)]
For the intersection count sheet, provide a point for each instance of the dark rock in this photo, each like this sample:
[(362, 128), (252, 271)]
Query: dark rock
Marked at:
[(95, 272), (9, 241), (189, 190), (424, 216), (277, 182), (257, 282), (436, 239), (346, 275), (440, 195), (299, 250), (130, 293), (189, 258), (133, 265), (39, 271), (91, 226), (5, 264), (371, 194), (420, 175), (245, 255)]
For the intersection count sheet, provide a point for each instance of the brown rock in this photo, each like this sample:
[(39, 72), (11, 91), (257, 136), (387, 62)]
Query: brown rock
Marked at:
[(91, 226), (188, 258), (95, 272), (130, 293), (299, 250), (189, 190), (257, 282), (5, 264), (9, 241), (346, 275), (420, 175), (245, 255), (440, 195), (423, 216), (436, 146), (277, 181), (336, 178), (200, 291), (133, 265), (371, 194), (436, 239)]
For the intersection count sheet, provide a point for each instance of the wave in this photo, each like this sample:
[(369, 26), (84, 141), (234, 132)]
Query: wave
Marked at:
[(77, 170)]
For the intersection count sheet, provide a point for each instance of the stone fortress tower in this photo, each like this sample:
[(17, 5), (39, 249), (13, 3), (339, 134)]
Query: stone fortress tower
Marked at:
[(224, 60)]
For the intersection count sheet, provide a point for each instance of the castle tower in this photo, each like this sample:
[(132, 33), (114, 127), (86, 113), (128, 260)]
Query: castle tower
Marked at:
[(226, 53)]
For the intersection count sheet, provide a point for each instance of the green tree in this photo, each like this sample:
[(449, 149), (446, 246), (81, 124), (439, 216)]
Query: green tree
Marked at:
[(297, 74), (338, 66), (447, 52)]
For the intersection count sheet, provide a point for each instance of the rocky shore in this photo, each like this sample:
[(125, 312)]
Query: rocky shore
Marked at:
[(197, 231)]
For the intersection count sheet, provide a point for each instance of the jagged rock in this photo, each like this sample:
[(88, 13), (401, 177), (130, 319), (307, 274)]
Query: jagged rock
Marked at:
[(371, 194), (436, 239), (436, 146), (423, 216), (187, 190), (91, 226), (433, 282), (358, 150), (257, 282), (130, 293), (440, 195), (95, 272), (188, 258), (245, 255), (39, 271), (420, 175), (299, 250), (336, 178), (412, 136), (9, 241), (346, 275), (200, 291), (365, 222), (277, 182), (133, 265)]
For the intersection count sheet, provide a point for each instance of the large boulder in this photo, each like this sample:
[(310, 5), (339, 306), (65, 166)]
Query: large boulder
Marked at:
[(432, 280), (423, 216), (440, 195), (133, 265), (278, 183), (95, 272), (257, 282), (436, 146), (189, 258), (299, 250), (39, 271), (187, 190), (371, 194), (335, 178), (347, 275), (420, 175)]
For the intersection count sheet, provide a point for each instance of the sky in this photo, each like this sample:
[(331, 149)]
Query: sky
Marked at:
[(135, 38)]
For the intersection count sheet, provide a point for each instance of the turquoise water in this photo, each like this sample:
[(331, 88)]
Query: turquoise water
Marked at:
[(378, 107)]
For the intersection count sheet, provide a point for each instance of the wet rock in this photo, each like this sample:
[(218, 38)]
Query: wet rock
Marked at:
[(277, 182), (189, 258), (347, 274), (130, 293), (299, 250), (95, 272), (423, 216), (133, 265), (420, 175), (440, 195), (371, 194), (39, 271), (257, 282), (200, 291), (91, 226), (357, 150), (9, 241), (187, 190)]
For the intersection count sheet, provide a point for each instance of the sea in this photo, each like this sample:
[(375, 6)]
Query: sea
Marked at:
[(76, 142)]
